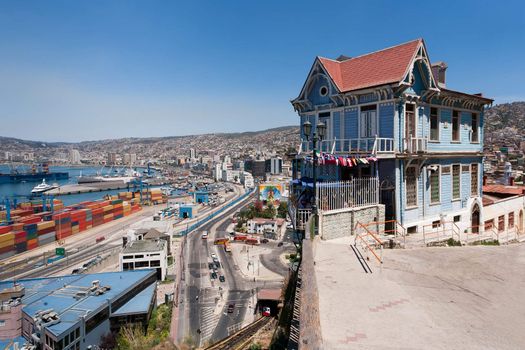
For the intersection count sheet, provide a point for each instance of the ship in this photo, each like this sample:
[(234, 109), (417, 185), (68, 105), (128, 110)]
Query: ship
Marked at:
[(36, 175), (43, 187)]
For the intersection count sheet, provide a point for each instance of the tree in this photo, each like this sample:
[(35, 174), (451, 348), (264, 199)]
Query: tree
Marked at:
[(269, 212), (282, 211)]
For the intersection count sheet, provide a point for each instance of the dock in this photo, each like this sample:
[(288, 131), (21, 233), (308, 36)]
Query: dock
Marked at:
[(96, 187)]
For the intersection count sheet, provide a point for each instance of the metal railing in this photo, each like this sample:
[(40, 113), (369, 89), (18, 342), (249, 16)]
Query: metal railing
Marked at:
[(415, 144), (479, 233), (303, 215), (347, 194), (433, 233), (368, 242), (369, 145), (388, 228)]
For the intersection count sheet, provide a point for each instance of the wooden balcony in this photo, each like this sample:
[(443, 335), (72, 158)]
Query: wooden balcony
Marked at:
[(415, 145), (371, 145)]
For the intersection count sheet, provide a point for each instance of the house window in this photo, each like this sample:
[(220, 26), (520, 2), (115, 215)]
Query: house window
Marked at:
[(457, 218), (445, 170), (501, 223), (455, 126), (411, 186), (489, 224), (323, 91), (434, 186), (434, 124), (412, 229), (410, 121), (511, 219), (436, 224), (456, 181), (475, 128), (2, 323), (474, 179), (367, 122)]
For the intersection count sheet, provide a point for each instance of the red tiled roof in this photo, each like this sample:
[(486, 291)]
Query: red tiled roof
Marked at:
[(504, 190), (373, 69)]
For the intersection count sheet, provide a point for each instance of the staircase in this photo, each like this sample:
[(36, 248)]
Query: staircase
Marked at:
[(293, 341)]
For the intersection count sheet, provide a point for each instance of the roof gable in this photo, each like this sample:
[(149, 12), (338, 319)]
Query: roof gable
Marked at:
[(377, 68)]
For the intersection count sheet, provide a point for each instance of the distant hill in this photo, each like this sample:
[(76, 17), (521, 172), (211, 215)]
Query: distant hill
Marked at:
[(11, 141), (506, 115)]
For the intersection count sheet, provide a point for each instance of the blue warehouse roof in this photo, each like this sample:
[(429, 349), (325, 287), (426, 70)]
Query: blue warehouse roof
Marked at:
[(139, 304), (60, 294)]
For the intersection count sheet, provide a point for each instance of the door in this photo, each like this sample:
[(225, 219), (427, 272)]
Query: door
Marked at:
[(410, 124), (475, 219)]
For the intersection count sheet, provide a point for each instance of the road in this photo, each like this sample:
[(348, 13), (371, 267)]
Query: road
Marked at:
[(208, 313)]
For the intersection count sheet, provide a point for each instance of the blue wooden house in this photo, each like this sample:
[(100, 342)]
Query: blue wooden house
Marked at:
[(391, 120)]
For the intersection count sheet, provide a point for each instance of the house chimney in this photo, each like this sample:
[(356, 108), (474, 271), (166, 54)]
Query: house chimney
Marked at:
[(439, 70)]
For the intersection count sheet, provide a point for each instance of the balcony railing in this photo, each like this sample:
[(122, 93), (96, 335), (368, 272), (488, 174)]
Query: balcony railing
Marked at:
[(347, 194), (371, 145), (415, 144)]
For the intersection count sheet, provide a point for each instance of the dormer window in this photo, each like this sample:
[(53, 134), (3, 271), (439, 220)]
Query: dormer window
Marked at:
[(323, 91)]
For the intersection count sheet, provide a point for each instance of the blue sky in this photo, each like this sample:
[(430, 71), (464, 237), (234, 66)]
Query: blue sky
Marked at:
[(86, 70)]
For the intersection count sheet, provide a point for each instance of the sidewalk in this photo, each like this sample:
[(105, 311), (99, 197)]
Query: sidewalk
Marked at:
[(247, 258)]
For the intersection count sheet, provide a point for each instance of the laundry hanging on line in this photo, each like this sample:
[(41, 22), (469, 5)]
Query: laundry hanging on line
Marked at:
[(348, 161)]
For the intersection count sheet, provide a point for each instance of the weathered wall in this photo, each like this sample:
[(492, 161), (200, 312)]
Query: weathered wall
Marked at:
[(341, 222)]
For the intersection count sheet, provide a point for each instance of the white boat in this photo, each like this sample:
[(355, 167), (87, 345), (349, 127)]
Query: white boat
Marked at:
[(43, 187)]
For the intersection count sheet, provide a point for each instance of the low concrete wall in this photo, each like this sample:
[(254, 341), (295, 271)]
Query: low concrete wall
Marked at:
[(310, 336), (341, 222)]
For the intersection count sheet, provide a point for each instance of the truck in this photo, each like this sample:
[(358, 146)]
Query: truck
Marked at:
[(221, 241)]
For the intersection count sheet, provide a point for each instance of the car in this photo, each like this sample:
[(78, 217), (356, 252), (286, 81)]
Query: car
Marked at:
[(264, 240), (213, 275), (217, 263), (280, 244), (231, 307), (266, 311), (221, 278), (214, 256), (211, 266)]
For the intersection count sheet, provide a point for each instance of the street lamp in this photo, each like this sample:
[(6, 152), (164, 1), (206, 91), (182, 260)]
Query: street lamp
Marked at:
[(317, 136)]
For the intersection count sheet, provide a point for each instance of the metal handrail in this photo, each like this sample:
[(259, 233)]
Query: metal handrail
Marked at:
[(368, 246)]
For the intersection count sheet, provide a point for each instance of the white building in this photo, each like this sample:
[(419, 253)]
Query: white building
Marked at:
[(247, 179), (217, 172), (231, 175), (192, 154), (74, 156), (130, 158), (276, 165), (145, 254), (261, 225)]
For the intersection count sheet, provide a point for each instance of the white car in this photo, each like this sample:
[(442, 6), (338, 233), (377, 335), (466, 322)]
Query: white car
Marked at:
[(213, 256)]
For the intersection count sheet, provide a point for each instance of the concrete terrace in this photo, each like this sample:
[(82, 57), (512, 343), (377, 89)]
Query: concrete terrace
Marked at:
[(428, 298)]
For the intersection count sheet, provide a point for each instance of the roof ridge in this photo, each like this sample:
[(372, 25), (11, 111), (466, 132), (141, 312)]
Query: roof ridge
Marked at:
[(373, 52)]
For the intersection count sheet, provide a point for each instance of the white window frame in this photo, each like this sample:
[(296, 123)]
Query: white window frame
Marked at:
[(477, 180), (410, 206), (438, 115), (416, 116), (474, 127), (452, 181), (374, 120), (452, 126), (439, 185)]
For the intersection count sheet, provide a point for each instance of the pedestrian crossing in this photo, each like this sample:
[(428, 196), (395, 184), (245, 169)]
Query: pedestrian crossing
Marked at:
[(208, 322)]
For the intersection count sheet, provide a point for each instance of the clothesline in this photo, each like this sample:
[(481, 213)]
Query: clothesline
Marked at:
[(347, 161)]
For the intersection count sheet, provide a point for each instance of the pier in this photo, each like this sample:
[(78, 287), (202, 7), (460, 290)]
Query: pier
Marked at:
[(99, 187)]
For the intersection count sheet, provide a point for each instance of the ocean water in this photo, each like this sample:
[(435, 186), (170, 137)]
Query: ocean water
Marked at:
[(22, 191)]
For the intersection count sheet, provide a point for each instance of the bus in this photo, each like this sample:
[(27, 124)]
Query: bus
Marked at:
[(240, 238), (227, 247), (220, 241)]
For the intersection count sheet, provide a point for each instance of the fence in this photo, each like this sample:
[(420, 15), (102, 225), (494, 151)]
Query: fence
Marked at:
[(372, 145), (433, 233), (347, 194), (214, 214)]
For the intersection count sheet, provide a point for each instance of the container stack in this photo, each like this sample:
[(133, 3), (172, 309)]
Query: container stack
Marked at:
[(7, 242), (30, 227)]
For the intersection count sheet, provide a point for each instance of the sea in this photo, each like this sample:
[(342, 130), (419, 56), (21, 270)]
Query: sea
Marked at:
[(22, 191)]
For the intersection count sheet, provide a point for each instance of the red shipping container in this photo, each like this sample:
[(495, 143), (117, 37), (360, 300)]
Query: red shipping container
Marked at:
[(5, 229), (6, 249)]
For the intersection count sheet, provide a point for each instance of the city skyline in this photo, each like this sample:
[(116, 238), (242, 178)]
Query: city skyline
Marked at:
[(91, 71)]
